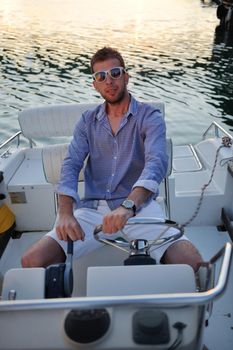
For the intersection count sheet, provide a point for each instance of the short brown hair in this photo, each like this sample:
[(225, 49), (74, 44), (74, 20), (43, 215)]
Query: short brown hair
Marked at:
[(106, 53)]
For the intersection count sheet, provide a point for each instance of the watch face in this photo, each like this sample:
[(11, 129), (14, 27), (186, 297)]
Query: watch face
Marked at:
[(128, 204)]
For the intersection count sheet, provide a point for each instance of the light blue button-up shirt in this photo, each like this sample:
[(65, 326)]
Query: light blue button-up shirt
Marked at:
[(134, 157)]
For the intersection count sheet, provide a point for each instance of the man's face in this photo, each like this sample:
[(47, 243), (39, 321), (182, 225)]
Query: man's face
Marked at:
[(112, 90)]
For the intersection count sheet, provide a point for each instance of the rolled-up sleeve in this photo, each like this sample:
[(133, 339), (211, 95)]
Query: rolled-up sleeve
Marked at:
[(156, 159)]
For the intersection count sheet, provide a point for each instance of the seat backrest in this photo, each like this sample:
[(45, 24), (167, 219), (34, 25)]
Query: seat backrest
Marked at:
[(52, 120), (52, 158), (57, 120)]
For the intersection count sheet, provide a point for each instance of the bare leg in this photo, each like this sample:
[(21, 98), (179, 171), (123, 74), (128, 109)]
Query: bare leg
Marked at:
[(43, 253), (182, 252)]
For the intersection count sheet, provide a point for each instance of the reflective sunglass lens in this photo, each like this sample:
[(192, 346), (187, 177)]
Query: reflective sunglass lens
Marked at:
[(115, 72), (100, 76)]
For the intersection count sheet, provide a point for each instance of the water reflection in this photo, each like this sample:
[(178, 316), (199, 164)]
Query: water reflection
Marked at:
[(171, 48), (222, 66)]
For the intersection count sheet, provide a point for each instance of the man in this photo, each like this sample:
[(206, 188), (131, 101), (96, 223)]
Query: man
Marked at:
[(124, 143)]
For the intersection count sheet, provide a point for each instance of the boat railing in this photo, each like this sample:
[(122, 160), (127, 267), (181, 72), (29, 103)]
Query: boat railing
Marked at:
[(157, 300), (10, 140), (217, 129), (194, 157)]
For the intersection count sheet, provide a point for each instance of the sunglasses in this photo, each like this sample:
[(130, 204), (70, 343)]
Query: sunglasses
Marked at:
[(115, 73)]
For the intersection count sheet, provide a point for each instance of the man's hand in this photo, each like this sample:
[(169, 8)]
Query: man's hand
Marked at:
[(116, 219), (68, 226)]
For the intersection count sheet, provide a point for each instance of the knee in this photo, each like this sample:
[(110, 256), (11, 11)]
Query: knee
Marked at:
[(183, 252), (25, 261), (43, 253), (29, 260)]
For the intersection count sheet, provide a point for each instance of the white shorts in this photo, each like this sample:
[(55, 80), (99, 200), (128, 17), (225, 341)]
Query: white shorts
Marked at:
[(90, 218)]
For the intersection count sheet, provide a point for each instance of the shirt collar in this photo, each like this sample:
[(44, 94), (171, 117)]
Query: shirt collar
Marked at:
[(131, 110)]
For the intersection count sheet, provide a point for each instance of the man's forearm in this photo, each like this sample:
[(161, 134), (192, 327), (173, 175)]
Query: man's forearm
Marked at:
[(139, 195), (65, 204)]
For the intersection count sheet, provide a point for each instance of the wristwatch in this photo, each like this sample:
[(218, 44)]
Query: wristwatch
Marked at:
[(129, 204)]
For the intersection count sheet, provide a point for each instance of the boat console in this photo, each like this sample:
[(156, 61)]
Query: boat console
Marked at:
[(137, 305)]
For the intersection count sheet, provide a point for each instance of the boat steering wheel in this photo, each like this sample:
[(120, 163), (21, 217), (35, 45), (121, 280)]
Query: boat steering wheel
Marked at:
[(138, 249)]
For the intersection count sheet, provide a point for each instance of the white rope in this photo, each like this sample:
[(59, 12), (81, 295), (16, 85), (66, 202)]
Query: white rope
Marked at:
[(226, 142)]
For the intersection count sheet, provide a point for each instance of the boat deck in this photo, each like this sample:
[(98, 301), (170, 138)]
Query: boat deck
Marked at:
[(207, 239)]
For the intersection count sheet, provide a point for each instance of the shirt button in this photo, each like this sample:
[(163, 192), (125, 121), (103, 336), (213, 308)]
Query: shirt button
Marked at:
[(108, 190), (113, 174), (114, 157)]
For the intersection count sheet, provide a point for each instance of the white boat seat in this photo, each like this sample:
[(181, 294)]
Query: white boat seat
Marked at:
[(51, 120), (140, 279), (57, 120), (27, 283), (52, 158)]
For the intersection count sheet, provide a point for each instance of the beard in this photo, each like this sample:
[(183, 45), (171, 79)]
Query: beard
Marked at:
[(116, 98)]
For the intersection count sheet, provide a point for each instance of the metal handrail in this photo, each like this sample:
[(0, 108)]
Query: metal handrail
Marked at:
[(158, 300), (217, 127), (17, 134), (196, 158)]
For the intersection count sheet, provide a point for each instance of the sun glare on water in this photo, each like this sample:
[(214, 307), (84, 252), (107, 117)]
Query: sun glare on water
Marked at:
[(89, 12)]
